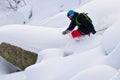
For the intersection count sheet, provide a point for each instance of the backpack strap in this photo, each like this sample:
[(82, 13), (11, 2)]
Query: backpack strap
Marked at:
[(76, 20)]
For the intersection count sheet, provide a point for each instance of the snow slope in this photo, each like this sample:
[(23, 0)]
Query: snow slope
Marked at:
[(103, 73), (67, 67), (20, 16), (45, 8), (100, 55), (42, 38), (102, 14)]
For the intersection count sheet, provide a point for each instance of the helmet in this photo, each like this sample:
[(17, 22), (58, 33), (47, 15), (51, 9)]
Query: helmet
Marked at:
[(70, 12)]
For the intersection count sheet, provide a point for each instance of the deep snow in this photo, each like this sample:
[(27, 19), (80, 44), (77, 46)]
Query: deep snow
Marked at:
[(60, 57)]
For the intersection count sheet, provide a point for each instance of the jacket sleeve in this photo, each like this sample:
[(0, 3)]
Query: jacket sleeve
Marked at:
[(91, 27), (71, 26)]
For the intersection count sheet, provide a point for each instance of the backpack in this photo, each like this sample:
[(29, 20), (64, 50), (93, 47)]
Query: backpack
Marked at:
[(85, 16)]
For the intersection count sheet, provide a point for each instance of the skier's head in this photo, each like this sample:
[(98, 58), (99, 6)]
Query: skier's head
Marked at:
[(70, 13)]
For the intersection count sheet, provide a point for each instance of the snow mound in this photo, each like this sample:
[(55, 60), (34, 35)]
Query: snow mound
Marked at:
[(62, 68), (50, 53), (100, 72), (117, 76), (21, 16), (32, 38), (110, 37), (102, 14), (85, 43)]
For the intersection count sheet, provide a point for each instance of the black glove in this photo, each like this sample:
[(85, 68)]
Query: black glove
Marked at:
[(93, 32), (65, 32)]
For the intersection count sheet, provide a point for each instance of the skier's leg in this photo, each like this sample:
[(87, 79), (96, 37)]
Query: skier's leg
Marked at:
[(76, 35)]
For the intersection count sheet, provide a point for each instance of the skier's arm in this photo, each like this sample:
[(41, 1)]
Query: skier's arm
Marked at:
[(70, 28), (91, 27)]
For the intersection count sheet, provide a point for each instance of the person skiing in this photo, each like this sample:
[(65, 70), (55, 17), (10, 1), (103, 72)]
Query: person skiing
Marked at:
[(84, 23)]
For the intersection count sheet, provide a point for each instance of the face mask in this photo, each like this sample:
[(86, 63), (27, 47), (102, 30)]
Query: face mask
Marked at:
[(70, 17)]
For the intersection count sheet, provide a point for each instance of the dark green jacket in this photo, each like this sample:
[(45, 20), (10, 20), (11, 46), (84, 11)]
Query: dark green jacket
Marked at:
[(85, 28)]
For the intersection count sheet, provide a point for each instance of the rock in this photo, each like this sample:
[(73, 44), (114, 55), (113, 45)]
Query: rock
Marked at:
[(17, 56)]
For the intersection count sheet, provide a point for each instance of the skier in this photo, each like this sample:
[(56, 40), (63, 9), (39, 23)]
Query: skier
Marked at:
[(84, 23)]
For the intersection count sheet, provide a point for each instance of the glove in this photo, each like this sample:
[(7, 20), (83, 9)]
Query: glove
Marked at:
[(65, 32), (93, 32)]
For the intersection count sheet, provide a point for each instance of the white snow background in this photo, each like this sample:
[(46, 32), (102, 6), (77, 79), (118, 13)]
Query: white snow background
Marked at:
[(59, 56)]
